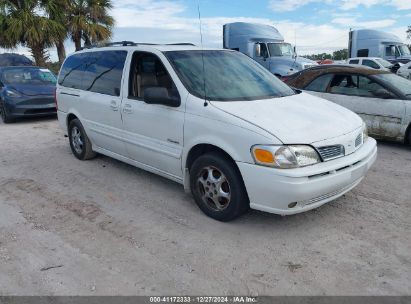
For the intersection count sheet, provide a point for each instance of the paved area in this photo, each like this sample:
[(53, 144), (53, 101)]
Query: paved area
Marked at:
[(102, 227)]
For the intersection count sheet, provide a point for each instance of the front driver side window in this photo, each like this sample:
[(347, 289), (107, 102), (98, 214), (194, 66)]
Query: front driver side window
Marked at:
[(319, 84), (147, 71), (264, 51), (354, 85), (370, 64)]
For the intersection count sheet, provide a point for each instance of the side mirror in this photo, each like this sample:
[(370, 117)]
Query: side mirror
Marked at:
[(382, 93), (258, 50), (159, 95)]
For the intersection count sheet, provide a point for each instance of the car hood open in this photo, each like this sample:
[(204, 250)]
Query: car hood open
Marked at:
[(296, 119)]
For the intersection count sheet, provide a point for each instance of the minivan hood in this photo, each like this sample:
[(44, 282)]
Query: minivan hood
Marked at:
[(33, 90), (296, 119)]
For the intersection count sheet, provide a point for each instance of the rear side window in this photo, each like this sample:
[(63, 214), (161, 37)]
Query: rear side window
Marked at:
[(354, 61), (319, 84), (99, 72), (72, 71)]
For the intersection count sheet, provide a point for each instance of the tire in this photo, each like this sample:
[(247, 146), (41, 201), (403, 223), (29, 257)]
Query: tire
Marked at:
[(4, 116), (79, 142), (218, 188)]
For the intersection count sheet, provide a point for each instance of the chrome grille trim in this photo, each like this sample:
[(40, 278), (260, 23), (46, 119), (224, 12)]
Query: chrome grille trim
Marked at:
[(331, 152), (358, 140)]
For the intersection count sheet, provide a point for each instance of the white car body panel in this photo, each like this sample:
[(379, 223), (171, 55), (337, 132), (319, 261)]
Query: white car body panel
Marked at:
[(385, 118), (158, 138)]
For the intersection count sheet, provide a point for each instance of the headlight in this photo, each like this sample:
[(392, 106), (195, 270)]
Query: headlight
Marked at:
[(364, 133), (12, 93), (285, 157)]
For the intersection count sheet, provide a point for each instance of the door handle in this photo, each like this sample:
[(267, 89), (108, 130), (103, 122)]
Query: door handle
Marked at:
[(128, 108), (113, 105)]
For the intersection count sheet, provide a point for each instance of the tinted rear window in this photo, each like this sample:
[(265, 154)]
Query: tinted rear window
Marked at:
[(99, 72)]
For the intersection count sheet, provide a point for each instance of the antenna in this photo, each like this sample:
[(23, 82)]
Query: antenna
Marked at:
[(202, 53)]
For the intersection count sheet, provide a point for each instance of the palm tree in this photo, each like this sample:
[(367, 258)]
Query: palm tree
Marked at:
[(27, 23), (89, 20)]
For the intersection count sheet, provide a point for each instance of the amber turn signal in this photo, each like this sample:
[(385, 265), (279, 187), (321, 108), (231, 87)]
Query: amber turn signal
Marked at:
[(264, 156)]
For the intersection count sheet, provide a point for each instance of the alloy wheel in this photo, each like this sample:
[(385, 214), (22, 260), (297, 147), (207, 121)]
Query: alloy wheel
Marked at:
[(76, 140), (214, 188)]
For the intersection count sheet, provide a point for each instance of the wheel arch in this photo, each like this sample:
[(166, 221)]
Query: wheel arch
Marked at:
[(69, 118), (201, 149)]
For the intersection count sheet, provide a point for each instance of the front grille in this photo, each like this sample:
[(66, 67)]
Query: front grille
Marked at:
[(358, 140), (331, 152)]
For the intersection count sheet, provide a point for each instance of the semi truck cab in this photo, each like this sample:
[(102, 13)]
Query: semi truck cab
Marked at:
[(265, 45)]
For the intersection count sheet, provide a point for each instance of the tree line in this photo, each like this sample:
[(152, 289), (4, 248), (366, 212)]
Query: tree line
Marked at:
[(337, 55), (42, 24)]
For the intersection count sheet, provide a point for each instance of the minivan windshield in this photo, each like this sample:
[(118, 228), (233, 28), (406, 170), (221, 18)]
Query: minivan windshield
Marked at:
[(28, 75), (280, 49), (225, 76)]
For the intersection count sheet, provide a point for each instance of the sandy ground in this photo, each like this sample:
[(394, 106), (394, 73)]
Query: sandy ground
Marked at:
[(108, 228)]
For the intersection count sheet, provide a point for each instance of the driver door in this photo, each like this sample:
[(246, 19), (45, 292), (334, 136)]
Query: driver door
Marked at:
[(153, 132)]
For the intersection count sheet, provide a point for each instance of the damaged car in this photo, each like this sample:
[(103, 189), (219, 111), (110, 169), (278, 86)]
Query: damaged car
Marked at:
[(381, 98)]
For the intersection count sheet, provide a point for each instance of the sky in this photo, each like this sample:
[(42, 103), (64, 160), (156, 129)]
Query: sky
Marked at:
[(314, 26)]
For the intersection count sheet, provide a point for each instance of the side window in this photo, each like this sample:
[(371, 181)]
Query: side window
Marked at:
[(72, 71), (363, 53), (369, 88), (370, 63), (355, 85), (354, 61), (319, 84), (392, 50), (264, 50), (103, 72), (148, 71), (344, 84)]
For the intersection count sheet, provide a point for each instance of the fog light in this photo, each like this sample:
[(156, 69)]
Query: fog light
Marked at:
[(292, 205)]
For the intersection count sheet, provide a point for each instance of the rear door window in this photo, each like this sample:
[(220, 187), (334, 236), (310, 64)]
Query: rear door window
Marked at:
[(319, 84), (99, 72), (104, 71)]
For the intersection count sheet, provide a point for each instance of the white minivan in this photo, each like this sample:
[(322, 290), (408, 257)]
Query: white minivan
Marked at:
[(215, 121)]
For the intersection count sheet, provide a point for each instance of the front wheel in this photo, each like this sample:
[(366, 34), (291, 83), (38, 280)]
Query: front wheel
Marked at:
[(79, 142), (218, 188), (4, 116)]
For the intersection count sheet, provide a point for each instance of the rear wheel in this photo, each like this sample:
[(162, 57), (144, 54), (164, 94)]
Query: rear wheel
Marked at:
[(4, 116), (79, 142), (218, 188)]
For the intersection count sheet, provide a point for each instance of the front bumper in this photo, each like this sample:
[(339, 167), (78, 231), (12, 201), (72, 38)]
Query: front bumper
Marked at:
[(31, 107), (272, 190)]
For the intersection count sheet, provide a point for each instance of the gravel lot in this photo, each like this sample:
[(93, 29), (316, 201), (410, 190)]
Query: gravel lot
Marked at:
[(108, 228)]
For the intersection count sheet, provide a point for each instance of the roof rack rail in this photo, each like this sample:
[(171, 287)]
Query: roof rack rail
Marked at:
[(182, 43), (126, 43), (121, 43)]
